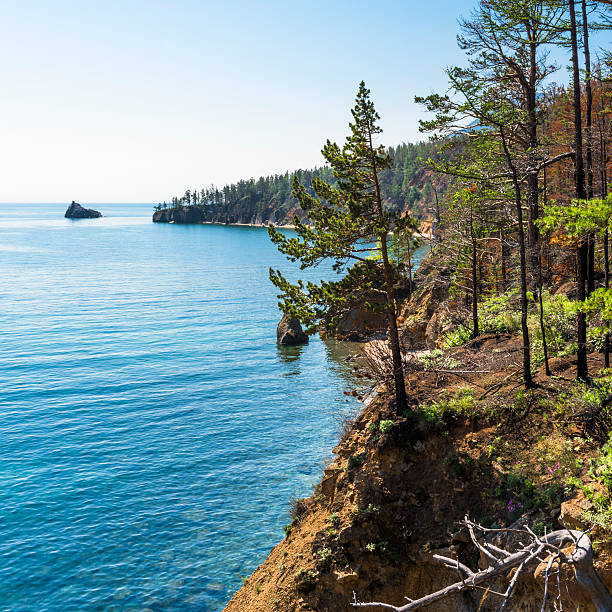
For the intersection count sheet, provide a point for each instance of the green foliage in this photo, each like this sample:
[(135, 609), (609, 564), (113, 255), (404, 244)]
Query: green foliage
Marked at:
[(360, 515), (324, 555), (436, 416), (500, 314), (578, 219), (497, 314), (372, 547), (346, 218), (526, 495), (334, 519), (306, 580), (458, 337), (385, 426), (355, 461), (603, 469), (541, 527), (437, 360)]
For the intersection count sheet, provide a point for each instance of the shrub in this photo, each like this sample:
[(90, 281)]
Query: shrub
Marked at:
[(458, 337), (306, 580), (334, 519), (360, 515), (437, 360), (460, 405), (355, 461), (385, 426)]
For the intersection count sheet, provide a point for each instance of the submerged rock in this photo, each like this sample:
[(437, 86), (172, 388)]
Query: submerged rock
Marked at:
[(290, 332), (76, 211)]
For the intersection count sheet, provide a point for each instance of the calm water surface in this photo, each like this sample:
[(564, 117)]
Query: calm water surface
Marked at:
[(151, 431)]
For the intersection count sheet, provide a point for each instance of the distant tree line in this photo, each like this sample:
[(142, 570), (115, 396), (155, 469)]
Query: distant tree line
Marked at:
[(407, 185)]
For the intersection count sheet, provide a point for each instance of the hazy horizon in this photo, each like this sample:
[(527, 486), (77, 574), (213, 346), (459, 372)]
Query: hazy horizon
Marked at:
[(136, 102)]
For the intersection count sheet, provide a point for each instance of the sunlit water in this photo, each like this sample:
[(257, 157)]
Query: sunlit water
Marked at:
[(151, 431)]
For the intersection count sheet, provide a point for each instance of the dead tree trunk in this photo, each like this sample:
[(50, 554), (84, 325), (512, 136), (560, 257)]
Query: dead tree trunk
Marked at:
[(502, 561)]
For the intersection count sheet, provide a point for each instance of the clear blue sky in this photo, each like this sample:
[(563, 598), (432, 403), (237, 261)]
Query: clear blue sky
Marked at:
[(135, 101)]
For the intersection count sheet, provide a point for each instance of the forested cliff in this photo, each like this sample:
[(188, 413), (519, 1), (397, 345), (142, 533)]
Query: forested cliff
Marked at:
[(407, 185)]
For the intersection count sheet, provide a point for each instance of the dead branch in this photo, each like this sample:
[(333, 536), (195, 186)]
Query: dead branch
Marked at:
[(502, 561)]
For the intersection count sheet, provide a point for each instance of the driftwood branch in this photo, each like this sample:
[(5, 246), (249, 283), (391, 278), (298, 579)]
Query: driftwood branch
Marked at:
[(501, 562)]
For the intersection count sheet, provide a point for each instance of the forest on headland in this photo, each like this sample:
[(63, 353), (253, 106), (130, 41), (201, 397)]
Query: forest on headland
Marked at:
[(479, 476), (408, 184)]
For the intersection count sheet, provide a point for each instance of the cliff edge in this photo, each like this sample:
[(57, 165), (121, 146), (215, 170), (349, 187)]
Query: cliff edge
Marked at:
[(471, 444)]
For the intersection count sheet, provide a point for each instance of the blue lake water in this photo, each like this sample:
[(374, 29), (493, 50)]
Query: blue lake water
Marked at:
[(151, 431)]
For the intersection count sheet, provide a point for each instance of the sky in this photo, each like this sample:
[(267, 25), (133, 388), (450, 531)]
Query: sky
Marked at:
[(138, 100)]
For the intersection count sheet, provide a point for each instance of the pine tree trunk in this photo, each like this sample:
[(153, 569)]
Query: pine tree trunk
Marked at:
[(582, 264), (393, 332), (504, 255), (394, 340), (588, 140), (532, 176), (542, 325), (475, 331), (604, 193), (607, 285), (527, 378)]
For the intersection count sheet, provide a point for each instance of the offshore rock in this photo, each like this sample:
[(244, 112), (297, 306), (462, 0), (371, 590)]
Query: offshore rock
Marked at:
[(76, 211), (290, 332)]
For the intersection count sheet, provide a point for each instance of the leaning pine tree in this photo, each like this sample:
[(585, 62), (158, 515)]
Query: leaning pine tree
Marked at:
[(349, 222)]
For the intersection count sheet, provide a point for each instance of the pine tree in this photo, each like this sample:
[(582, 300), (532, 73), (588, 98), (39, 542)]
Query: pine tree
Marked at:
[(346, 218)]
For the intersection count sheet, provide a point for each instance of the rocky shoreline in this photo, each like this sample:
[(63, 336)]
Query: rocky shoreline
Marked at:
[(400, 485), (198, 215)]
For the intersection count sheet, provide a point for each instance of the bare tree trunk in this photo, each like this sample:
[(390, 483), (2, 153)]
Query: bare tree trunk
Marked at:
[(504, 256), (474, 278), (603, 175), (588, 140), (475, 330), (543, 329), (532, 176), (582, 369), (527, 378)]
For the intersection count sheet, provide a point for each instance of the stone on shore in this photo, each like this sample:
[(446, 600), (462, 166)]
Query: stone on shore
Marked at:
[(289, 332)]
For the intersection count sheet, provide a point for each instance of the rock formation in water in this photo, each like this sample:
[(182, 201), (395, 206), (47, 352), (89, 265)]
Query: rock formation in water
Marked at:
[(290, 332), (76, 211)]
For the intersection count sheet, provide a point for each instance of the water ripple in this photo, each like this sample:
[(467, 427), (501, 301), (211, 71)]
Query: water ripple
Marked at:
[(151, 432)]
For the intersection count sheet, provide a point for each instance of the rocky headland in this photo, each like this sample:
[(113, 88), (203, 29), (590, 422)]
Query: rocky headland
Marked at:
[(472, 443), (201, 214), (76, 211)]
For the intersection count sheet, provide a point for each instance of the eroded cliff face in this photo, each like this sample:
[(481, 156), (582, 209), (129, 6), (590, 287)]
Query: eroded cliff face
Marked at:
[(201, 214), (183, 214), (400, 486)]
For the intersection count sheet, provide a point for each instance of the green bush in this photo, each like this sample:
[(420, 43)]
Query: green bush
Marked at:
[(460, 405), (355, 461), (306, 580), (437, 360), (385, 426)]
